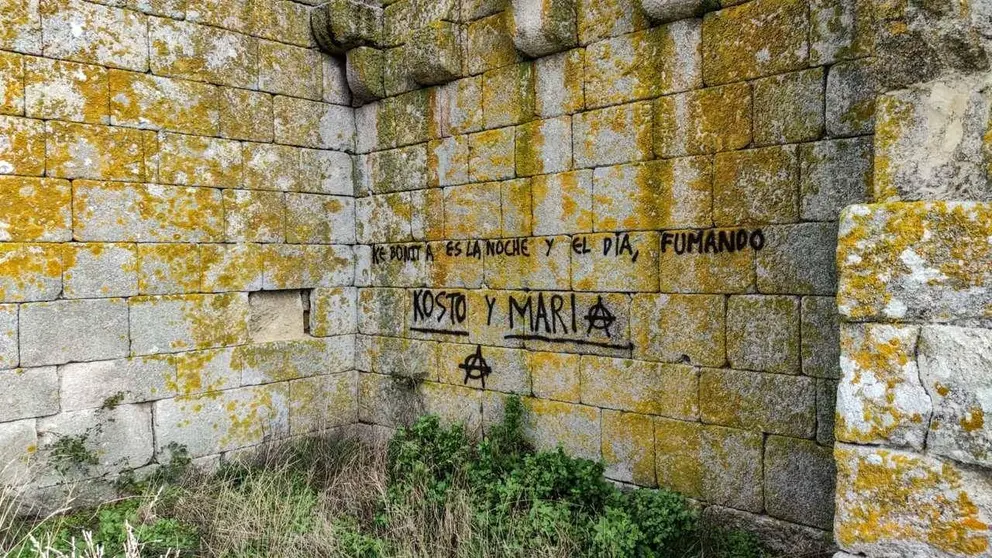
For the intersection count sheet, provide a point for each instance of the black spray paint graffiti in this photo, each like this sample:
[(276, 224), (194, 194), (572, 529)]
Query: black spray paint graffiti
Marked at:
[(476, 367)]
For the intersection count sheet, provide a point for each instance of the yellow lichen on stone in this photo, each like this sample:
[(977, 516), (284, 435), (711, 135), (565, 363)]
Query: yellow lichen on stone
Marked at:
[(30, 272), (34, 209)]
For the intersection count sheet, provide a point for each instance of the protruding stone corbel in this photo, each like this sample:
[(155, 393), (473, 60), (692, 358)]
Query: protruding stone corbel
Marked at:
[(662, 11), (543, 27), (365, 68), (435, 53), (341, 25)]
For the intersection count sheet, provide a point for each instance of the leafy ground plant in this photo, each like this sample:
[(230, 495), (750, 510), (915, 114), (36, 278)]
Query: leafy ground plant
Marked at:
[(432, 491)]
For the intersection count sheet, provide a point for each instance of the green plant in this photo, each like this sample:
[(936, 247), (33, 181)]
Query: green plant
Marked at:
[(724, 543), (69, 453), (113, 401)]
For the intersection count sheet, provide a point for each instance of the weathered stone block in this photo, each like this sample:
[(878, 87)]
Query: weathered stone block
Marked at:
[(276, 316), (654, 195), (282, 20), (435, 53), (323, 402), (341, 25), (833, 175), (333, 311), (30, 272), (393, 265), (175, 323), (397, 77), (65, 90), (644, 65), (200, 161), (383, 218), (96, 270), (562, 203), (252, 216), (490, 43), (544, 27), (799, 259), (319, 219), (755, 39), (671, 10), (245, 115), (202, 53), (271, 167), (160, 103), (677, 456), (222, 421), (926, 270), (840, 30), (29, 393), (228, 14), (659, 326), (453, 404), (702, 122), (22, 29), (207, 371), (605, 337), (18, 449), (289, 70), (763, 333), (558, 84), (826, 411), (365, 71), (576, 428), (399, 169), (169, 268), (278, 361), (105, 384), (820, 337), (13, 77), (469, 211), (231, 267), (116, 211), (757, 186), (956, 368), (313, 124), (491, 155), (628, 447), (86, 32), (447, 161), (34, 209), (555, 376), (8, 336), (772, 403), (613, 135), (544, 147), (50, 331), (880, 398), (120, 439), (326, 172), (453, 270), (705, 272), (601, 19), (97, 152), (386, 400), (640, 387), (22, 150), (510, 368), (779, 537), (308, 266), (460, 111), (625, 262), (382, 311), (852, 88), (732, 467), (789, 108), (544, 267)]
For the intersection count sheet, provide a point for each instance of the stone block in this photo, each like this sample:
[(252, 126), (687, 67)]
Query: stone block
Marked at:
[(820, 337), (22, 32), (29, 393), (840, 30), (222, 421), (399, 169), (65, 90), (398, 265), (245, 115), (562, 203), (235, 15), (19, 443), (397, 77), (186, 50), (640, 387), (126, 212), (13, 77), (545, 266), (96, 152), (544, 147), (435, 53), (755, 39), (279, 361), (490, 43), (231, 267), (726, 271), (290, 70), (616, 72), (956, 368), (49, 331), (763, 333), (510, 368), (833, 175), (880, 398), (319, 219), (516, 208), (671, 10), (106, 384), (732, 470), (451, 268), (292, 266), (322, 402), (469, 211), (97, 270), (576, 428), (120, 439), (686, 329), (30, 272), (931, 507), (409, 118), (161, 103), (545, 27), (200, 161), (654, 195), (925, 272), (628, 447), (409, 358), (22, 151), (383, 218), (276, 316), (282, 20), (453, 404), (602, 19), (271, 167), (613, 135), (447, 161), (799, 259), (460, 111), (626, 262), (677, 456), (779, 537), (771, 403), (756, 186), (491, 155), (558, 84), (382, 311), (326, 172), (341, 25), (333, 311), (169, 268), (209, 371), (252, 216), (826, 411), (604, 337), (555, 376), (176, 323), (799, 481), (387, 401), (704, 121), (852, 88), (313, 124), (86, 32), (8, 336), (789, 108), (365, 71), (34, 209)]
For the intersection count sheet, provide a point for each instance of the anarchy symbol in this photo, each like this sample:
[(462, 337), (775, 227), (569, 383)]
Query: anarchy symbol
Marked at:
[(476, 367), (600, 317)]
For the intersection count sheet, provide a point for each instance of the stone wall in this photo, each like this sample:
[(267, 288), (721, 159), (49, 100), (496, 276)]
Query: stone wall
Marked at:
[(176, 221)]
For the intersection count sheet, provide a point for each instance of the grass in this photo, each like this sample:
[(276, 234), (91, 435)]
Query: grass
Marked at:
[(430, 492)]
